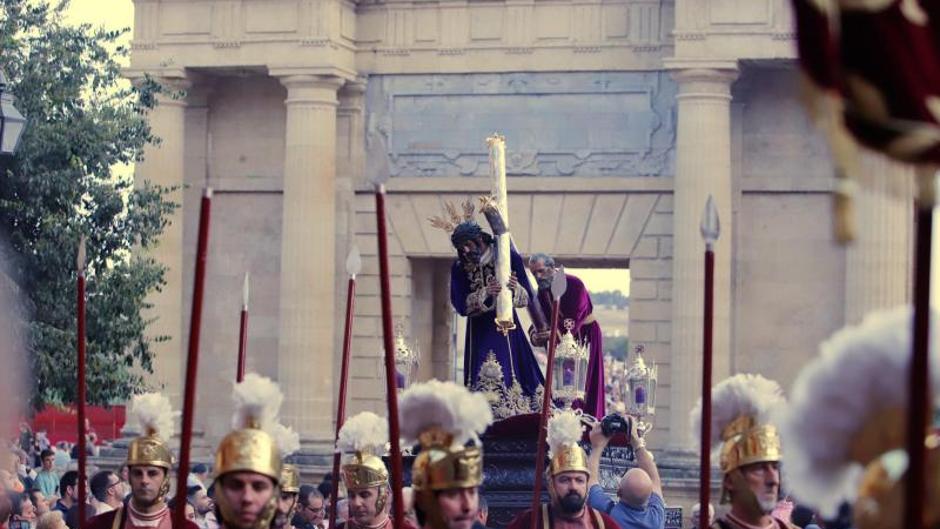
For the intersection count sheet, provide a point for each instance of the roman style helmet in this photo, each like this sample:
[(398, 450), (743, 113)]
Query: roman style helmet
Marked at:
[(443, 417), (288, 442), (744, 410), (565, 430), (364, 437), (155, 416), (845, 429), (250, 447)]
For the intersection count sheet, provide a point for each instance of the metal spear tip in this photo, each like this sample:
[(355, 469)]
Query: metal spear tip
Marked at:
[(559, 283), (711, 224), (353, 262), (245, 290), (80, 259)]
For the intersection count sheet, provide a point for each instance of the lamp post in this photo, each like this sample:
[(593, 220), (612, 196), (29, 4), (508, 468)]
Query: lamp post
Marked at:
[(12, 122)]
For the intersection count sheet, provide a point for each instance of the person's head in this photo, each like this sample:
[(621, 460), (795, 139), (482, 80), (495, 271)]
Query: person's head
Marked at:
[(200, 500), (542, 267), (6, 506), (51, 520), (470, 241), (569, 491), (22, 508), (342, 510), (697, 512), (48, 459), (39, 502), (8, 480), (149, 485), (484, 512), (312, 505), (68, 487), (246, 498), (201, 471), (458, 507), (801, 516), (754, 486), (367, 506), (286, 504), (105, 486), (635, 488)]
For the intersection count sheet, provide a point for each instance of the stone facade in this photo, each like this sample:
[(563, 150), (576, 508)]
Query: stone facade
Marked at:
[(621, 117)]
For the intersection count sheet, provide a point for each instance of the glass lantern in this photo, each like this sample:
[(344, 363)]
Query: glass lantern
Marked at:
[(640, 390), (406, 360), (569, 370)]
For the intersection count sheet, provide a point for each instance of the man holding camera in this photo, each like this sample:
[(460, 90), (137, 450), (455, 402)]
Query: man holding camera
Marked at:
[(641, 504)]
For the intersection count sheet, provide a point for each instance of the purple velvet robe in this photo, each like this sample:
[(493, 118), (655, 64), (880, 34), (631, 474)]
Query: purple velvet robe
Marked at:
[(576, 305), (482, 335)]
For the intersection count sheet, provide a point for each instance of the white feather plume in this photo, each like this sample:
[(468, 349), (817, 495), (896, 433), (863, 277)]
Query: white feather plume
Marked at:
[(450, 406), (365, 432), (564, 429), (286, 439), (154, 414), (257, 402), (860, 371), (739, 395)]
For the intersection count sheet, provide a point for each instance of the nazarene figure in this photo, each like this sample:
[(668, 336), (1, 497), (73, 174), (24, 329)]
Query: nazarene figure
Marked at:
[(567, 479), (575, 310), (288, 442), (248, 462), (149, 461), (364, 437), (744, 408), (443, 417), (473, 290), (845, 428)]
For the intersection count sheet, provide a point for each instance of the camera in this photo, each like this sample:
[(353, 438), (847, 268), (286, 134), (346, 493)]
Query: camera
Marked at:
[(613, 424)]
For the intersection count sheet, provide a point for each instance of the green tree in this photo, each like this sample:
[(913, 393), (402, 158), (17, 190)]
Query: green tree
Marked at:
[(83, 120)]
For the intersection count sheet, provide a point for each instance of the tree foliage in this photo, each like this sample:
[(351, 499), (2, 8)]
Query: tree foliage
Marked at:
[(83, 120)]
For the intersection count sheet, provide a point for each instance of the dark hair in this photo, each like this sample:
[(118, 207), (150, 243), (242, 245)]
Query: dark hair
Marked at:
[(191, 491), (16, 500), (305, 492), (100, 483), (46, 453), (466, 231), (200, 468), (69, 479), (326, 488), (32, 495)]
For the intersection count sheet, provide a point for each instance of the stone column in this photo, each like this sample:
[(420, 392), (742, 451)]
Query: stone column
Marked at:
[(164, 165), (878, 263), (703, 167), (307, 310)]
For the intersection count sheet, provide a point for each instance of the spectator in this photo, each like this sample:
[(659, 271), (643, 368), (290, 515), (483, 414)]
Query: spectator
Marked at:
[(51, 520), (6, 508), (310, 512), (326, 486), (203, 505), (107, 490), (68, 492), (697, 511), (198, 476), (23, 510), (342, 511), (47, 479), (484, 513), (39, 502), (9, 482), (190, 511)]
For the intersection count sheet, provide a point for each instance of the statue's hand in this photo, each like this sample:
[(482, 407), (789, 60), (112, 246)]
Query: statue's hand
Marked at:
[(492, 287), (513, 282)]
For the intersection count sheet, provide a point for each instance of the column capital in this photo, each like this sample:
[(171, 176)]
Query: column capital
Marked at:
[(308, 88), (703, 78)]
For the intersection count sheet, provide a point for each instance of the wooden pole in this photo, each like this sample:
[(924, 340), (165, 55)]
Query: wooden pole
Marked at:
[(243, 334), (352, 267), (192, 358), (82, 397), (388, 338), (918, 381), (710, 228)]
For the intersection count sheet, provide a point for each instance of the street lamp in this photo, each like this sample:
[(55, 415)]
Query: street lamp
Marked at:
[(12, 123)]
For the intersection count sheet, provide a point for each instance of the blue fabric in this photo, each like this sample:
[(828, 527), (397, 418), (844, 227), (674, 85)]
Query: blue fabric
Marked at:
[(482, 334), (627, 517), (47, 482)]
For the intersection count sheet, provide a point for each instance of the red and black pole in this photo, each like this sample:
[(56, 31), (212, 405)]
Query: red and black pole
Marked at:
[(559, 285), (711, 229), (82, 397), (353, 264), (242, 334), (192, 357), (919, 381), (389, 341)]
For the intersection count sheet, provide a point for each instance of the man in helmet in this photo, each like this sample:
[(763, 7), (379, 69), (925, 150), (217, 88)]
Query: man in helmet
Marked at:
[(149, 461), (567, 481), (287, 502)]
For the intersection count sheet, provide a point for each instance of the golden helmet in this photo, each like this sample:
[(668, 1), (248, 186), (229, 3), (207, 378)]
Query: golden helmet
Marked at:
[(364, 471), (364, 437), (745, 442), (565, 430), (442, 466), (248, 450), (290, 479), (155, 416)]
